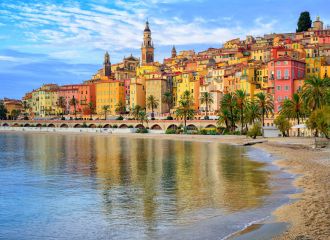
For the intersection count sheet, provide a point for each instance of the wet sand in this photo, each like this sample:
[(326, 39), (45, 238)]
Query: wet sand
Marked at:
[(309, 215)]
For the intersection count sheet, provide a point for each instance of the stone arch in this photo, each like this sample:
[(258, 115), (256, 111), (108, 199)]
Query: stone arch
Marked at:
[(173, 127), (5, 125), (15, 125), (92, 125), (139, 126), (26, 125), (123, 126), (191, 127), (107, 126), (64, 125), (156, 127), (77, 125), (211, 126), (38, 125), (51, 125)]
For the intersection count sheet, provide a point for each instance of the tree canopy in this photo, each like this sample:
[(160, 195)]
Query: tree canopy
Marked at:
[(304, 22)]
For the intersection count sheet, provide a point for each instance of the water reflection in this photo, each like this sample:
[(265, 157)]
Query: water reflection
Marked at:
[(151, 183)]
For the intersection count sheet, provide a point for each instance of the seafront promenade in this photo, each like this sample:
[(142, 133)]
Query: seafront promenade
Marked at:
[(116, 125)]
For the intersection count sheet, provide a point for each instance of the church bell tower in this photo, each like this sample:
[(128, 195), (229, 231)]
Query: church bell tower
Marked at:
[(107, 65), (147, 48)]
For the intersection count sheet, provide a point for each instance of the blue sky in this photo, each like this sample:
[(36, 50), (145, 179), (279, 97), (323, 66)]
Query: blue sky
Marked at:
[(53, 41)]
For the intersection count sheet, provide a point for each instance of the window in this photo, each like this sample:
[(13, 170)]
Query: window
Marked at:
[(278, 88), (286, 97), (279, 108), (278, 73), (286, 74), (279, 98), (286, 88)]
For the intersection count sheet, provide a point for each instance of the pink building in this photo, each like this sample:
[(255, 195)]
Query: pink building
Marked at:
[(83, 93), (324, 39), (286, 75)]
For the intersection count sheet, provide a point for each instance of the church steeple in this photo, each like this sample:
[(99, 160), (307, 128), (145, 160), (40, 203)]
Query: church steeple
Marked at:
[(147, 48), (173, 52), (107, 65)]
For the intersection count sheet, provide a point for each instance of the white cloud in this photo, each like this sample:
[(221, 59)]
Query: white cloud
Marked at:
[(73, 32)]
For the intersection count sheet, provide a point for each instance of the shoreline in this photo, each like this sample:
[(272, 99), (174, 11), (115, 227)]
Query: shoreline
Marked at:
[(308, 211)]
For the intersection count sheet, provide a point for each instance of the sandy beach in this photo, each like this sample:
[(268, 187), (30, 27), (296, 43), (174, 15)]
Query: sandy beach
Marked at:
[(308, 215)]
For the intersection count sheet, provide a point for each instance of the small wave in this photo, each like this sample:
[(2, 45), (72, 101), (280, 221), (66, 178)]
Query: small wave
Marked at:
[(245, 227)]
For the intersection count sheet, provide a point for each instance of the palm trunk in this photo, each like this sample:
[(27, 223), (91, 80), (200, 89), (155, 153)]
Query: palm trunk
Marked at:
[(298, 120), (242, 124), (263, 117), (207, 108)]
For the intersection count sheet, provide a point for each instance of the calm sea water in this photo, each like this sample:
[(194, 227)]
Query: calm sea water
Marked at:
[(56, 186)]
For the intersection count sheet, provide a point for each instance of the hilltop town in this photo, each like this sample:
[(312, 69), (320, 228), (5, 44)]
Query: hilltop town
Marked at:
[(276, 64)]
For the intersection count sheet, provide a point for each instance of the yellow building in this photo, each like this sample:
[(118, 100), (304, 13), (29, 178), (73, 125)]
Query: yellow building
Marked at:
[(189, 83), (313, 66), (44, 101), (109, 93), (157, 86), (325, 71), (138, 84), (246, 80)]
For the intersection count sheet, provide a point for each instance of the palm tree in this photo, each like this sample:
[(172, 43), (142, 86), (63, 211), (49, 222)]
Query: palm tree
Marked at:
[(241, 100), (61, 104), (135, 111), (25, 107), (252, 113), (105, 108), (185, 109), (152, 103), (3, 111), (74, 102), (91, 109), (224, 117), (293, 108), (266, 105), (316, 92), (229, 102), (120, 108), (207, 99), (168, 99), (142, 116)]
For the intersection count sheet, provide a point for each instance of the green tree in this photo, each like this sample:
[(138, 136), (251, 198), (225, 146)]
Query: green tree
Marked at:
[(3, 111), (26, 107), (135, 111), (316, 92), (293, 109), (105, 109), (283, 124), (152, 103), (120, 108), (241, 99), (61, 104), (304, 22), (143, 117), (252, 112), (223, 118), (91, 109), (319, 120), (266, 105), (168, 99), (74, 102), (207, 99), (185, 109), (229, 102), (15, 113)]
